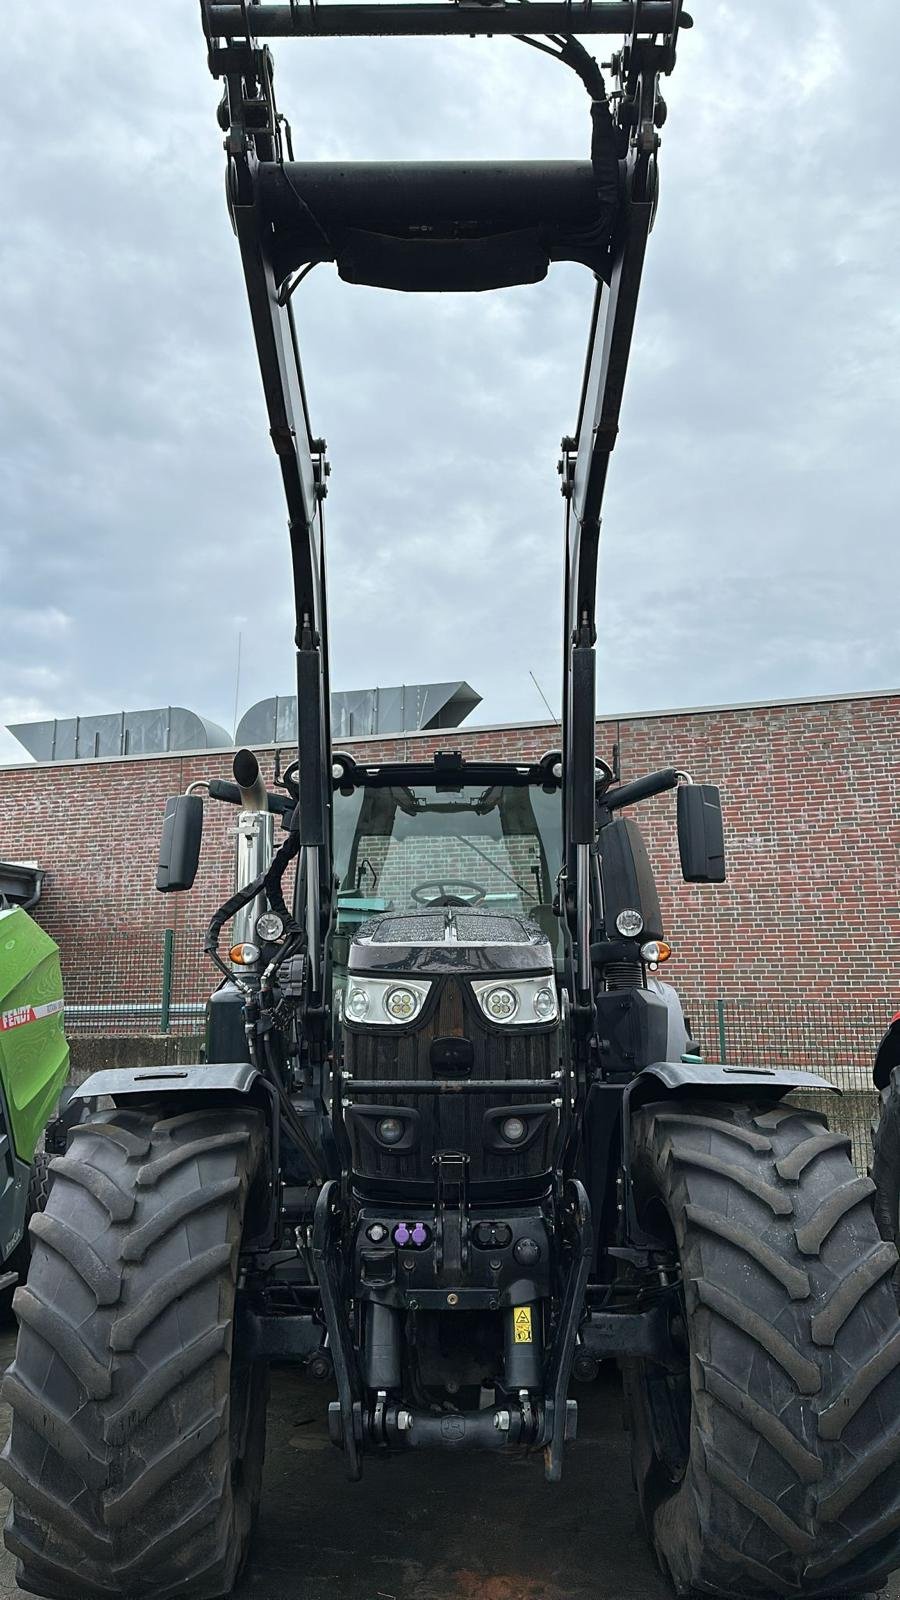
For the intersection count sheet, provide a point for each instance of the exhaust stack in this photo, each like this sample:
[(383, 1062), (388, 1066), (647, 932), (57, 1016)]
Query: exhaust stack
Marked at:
[(247, 777), (255, 843)]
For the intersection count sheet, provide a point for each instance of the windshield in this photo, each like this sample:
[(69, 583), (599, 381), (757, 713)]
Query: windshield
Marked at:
[(399, 847)]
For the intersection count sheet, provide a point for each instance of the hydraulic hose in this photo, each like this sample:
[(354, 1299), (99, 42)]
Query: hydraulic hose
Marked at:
[(268, 882)]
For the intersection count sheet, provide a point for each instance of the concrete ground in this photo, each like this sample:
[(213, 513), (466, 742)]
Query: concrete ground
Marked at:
[(438, 1527)]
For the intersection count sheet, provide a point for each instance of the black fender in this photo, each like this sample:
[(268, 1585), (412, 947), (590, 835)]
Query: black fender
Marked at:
[(690, 1076), (223, 1083), (712, 1078), (216, 1078), (887, 1056)]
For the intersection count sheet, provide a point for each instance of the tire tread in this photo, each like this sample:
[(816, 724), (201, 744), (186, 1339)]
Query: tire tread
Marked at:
[(792, 1484), (119, 1455)]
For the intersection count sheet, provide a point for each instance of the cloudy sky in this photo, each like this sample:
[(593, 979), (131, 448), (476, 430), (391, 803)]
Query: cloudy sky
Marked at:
[(750, 535)]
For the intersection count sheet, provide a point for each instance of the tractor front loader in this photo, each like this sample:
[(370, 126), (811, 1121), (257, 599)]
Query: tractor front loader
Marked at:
[(450, 1138)]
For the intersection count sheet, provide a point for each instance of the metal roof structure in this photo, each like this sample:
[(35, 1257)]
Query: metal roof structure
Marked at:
[(405, 708), (120, 733)]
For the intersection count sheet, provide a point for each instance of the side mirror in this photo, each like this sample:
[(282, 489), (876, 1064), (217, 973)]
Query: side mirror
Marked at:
[(627, 879), (179, 851), (701, 844)]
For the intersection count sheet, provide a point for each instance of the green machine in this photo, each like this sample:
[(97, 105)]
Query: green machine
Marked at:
[(34, 1064)]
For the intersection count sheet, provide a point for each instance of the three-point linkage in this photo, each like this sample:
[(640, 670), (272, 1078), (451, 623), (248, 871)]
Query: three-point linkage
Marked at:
[(445, 226)]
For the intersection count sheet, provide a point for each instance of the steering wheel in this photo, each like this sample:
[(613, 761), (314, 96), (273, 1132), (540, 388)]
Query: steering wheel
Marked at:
[(444, 898)]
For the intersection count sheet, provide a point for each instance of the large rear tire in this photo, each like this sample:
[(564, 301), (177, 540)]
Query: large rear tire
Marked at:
[(770, 1464), (137, 1439)]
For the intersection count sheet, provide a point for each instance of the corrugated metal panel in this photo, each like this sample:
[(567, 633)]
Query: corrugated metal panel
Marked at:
[(120, 733), (403, 708)]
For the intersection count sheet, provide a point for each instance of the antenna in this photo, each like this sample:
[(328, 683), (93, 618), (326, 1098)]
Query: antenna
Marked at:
[(544, 698), (237, 683)]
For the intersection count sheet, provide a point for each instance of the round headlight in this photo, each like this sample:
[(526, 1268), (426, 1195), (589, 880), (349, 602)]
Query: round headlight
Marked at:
[(545, 1005), (501, 1003), (390, 1130), (513, 1130), (357, 1005), (269, 926), (629, 924), (401, 1004)]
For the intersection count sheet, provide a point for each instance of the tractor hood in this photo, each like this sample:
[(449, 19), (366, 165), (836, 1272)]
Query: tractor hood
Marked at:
[(450, 939)]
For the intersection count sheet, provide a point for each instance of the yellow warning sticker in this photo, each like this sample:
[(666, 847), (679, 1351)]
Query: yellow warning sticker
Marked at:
[(522, 1324)]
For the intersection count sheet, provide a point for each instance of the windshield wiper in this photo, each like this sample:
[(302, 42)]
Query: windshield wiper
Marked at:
[(495, 864)]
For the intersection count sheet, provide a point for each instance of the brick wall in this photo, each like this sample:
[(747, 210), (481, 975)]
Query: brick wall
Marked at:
[(812, 832)]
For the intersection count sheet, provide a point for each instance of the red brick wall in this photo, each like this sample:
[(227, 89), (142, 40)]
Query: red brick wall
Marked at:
[(812, 832)]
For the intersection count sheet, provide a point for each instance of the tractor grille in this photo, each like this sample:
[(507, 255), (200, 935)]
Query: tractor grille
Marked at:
[(454, 1120)]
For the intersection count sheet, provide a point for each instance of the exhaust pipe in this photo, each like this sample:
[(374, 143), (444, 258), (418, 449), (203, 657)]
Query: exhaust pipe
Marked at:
[(247, 777), (255, 845)]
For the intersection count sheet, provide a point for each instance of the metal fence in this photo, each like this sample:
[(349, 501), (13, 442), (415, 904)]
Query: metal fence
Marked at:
[(837, 1040), (136, 984), (156, 984)]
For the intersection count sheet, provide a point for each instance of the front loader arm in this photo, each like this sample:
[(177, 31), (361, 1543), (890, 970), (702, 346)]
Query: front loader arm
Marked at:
[(253, 132), (445, 226)]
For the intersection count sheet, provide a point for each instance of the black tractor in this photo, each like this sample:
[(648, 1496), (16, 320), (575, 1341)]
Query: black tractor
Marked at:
[(451, 1140)]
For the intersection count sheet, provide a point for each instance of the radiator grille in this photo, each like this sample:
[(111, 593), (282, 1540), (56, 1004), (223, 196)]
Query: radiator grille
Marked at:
[(453, 1121)]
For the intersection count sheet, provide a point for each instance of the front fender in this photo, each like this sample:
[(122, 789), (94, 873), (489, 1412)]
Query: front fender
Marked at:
[(712, 1078), (221, 1081), (237, 1077), (678, 1076)]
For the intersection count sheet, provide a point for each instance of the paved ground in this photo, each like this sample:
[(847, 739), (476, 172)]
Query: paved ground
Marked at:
[(439, 1528)]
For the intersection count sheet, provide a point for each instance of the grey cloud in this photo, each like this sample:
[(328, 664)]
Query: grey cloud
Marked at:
[(749, 545)]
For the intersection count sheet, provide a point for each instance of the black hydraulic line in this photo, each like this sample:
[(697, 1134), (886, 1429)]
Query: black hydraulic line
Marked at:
[(272, 881), (267, 882), (269, 21), (226, 911), (289, 1115), (284, 295)]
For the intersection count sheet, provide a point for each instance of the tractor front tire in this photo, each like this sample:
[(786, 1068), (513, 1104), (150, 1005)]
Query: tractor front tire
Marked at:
[(768, 1462), (138, 1435), (38, 1189)]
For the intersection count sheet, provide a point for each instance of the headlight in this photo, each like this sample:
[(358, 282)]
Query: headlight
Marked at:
[(545, 1005), (402, 1004), (356, 1006), (269, 926), (513, 1130), (501, 1003), (384, 1002), (390, 1130), (518, 1001), (629, 924)]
